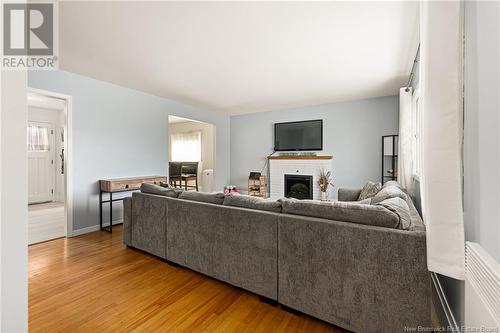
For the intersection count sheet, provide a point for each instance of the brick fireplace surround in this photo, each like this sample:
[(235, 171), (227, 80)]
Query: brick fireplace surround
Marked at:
[(279, 166)]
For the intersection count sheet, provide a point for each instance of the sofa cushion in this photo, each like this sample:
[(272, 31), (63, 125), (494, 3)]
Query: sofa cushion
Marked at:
[(399, 207), (160, 190), (387, 192), (348, 194), (213, 198), (247, 201), (369, 190), (342, 211)]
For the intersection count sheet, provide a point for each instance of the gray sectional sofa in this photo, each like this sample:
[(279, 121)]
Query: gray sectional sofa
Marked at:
[(360, 266)]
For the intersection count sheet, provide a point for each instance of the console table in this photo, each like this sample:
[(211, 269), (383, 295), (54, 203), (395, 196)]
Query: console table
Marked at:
[(117, 185)]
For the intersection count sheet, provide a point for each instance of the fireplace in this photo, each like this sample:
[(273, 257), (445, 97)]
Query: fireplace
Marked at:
[(298, 186)]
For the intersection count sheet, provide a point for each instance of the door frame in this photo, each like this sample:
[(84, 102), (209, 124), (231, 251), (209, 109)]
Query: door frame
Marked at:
[(68, 152)]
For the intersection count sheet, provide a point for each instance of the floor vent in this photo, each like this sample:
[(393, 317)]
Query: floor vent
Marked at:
[(482, 288)]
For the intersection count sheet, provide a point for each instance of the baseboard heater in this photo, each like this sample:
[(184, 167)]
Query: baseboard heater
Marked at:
[(482, 289)]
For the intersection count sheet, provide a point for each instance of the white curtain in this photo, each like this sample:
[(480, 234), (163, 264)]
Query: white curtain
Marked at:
[(186, 147), (38, 138), (405, 153), (442, 106)]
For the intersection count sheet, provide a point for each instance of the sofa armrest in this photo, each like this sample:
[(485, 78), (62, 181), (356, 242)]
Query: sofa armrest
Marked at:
[(362, 278), (149, 219), (349, 194), (127, 221)]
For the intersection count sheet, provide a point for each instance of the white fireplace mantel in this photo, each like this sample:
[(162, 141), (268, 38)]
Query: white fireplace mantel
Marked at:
[(279, 166)]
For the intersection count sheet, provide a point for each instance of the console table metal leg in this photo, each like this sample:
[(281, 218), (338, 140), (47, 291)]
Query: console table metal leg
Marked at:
[(100, 210), (110, 212)]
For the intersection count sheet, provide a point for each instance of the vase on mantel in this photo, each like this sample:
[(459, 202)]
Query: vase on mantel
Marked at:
[(324, 196)]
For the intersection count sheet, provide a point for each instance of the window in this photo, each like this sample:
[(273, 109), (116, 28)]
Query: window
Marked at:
[(416, 135), (186, 147), (38, 138)]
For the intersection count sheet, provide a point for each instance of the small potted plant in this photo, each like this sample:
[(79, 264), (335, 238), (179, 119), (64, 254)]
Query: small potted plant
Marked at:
[(324, 182)]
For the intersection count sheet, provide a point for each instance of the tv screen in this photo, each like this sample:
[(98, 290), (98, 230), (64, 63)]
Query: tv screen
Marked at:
[(299, 135)]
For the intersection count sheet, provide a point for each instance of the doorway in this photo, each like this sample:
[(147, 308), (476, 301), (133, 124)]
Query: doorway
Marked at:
[(41, 156), (191, 143), (47, 129)]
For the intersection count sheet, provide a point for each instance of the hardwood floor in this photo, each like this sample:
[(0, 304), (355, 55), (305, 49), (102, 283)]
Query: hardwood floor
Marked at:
[(93, 283)]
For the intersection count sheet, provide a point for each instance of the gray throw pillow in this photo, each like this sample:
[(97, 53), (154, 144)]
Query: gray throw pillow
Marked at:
[(387, 192), (247, 201), (213, 198), (399, 207), (369, 190), (160, 190)]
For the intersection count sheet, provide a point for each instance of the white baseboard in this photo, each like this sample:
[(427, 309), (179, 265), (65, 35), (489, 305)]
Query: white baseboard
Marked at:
[(93, 228)]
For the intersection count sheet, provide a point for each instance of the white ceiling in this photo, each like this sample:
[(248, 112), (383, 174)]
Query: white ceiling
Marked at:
[(241, 57)]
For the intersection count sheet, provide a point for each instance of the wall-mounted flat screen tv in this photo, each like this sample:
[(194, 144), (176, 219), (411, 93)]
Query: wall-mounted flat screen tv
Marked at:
[(298, 135)]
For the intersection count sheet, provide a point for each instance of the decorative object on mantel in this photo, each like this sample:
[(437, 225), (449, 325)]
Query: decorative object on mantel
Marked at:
[(324, 182), (257, 185), (389, 158), (228, 189)]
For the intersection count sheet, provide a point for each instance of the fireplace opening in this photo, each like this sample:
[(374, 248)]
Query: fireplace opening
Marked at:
[(299, 186)]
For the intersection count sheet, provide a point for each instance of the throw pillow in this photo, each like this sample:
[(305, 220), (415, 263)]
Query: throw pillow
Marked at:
[(369, 190), (388, 192), (399, 207)]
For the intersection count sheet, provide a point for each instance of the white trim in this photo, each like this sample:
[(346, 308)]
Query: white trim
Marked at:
[(93, 228), (68, 151), (86, 230), (416, 177)]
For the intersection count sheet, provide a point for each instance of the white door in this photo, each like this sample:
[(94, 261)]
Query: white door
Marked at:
[(41, 166)]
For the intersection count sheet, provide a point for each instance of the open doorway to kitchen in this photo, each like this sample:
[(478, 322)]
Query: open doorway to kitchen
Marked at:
[(49, 210), (191, 154)]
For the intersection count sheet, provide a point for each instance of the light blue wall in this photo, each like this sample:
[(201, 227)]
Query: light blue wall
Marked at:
[(120, 132), (352, 133)]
